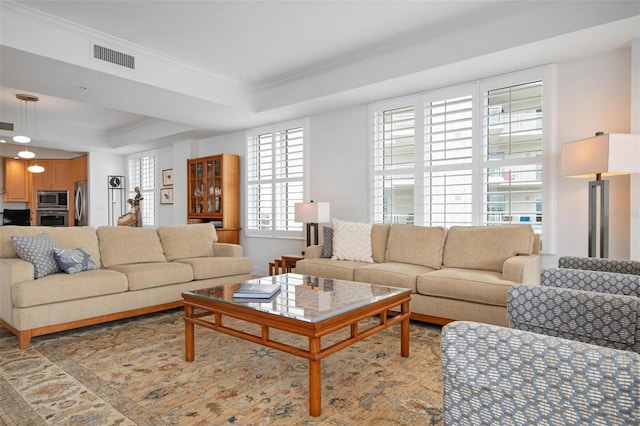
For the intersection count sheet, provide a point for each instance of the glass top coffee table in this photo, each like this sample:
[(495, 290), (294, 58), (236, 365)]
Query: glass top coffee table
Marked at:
[(306, 306)]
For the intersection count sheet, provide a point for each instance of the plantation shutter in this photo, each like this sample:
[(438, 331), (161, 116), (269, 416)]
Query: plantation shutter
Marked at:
[(289, 174), (393, 185), (142, 173), (260, 182), (448, 173), (275, 178), (513, 135)]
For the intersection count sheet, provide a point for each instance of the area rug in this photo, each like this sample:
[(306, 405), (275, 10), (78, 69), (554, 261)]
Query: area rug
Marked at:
[(133, 372)]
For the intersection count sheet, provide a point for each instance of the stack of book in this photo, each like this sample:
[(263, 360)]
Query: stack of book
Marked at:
[(256, 291)]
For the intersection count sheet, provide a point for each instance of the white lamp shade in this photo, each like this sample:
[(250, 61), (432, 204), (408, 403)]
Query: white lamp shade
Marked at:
[(312, 212), (611, 154)]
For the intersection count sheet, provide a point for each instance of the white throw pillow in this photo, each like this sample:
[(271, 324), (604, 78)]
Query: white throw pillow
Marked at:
[(352, 241)]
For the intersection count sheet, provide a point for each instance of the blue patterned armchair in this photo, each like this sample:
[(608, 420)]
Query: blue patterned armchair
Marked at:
[(570, 358), (596, 264), (502, 376), (596, 307)]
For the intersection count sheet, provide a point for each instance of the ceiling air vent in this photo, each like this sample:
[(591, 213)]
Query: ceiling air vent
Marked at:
[(6, 126), (113, 56)]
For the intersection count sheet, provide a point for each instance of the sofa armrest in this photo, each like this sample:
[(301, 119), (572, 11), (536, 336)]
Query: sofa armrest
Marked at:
[(313, 252), (227, 250), (603, 319), (12, 271), (598, 281), (496, 375), (522, 269), (15, 270), (597, 264)]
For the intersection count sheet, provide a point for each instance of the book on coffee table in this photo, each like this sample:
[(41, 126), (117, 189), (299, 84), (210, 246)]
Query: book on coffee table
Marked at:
[(256, 291)]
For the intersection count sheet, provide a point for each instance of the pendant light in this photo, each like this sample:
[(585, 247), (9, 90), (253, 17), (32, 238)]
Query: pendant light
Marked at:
[(26, 154), (35, 168), (24, 117), (24, 122)]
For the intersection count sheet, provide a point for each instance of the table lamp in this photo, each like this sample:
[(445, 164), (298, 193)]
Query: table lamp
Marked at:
[(597, 157), (312, 213)]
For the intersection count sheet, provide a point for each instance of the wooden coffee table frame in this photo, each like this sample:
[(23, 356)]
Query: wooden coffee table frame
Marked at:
[(196, 308)]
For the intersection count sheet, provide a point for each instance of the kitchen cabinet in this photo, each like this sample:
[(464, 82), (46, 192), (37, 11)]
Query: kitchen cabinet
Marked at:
[(55, 175), (16, 181), (78, 169), (213, 194)]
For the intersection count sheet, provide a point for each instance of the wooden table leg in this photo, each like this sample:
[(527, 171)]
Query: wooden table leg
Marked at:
[(188, 334), (404, 330), (315, 378)]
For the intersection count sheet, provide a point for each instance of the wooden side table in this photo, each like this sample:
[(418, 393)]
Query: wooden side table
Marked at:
[(289, 261), (284, 264)]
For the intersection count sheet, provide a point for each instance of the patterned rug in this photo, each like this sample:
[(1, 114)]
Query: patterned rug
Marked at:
[(132, 372)]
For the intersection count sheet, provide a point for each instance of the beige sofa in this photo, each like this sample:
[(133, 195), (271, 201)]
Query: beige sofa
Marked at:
[(463, 273), (141, 271)]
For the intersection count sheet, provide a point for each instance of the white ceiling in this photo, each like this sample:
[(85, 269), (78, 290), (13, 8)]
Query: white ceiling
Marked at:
[(209, 67)]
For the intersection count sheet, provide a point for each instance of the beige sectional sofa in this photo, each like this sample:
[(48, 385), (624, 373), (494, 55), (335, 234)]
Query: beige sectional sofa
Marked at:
[(461, 273), (140, 271)]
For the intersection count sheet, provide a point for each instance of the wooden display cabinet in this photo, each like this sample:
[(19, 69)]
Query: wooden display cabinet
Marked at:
[(213, 194)]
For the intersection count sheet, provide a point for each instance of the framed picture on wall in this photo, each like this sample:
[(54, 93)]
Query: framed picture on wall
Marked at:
[(166, 196), (167, 177)]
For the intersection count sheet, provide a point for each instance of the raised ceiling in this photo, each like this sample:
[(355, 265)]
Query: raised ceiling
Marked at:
[(205, 68)]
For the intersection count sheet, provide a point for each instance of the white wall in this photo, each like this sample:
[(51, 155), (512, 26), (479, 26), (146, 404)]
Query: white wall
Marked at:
[(593, 95), (102, 165)]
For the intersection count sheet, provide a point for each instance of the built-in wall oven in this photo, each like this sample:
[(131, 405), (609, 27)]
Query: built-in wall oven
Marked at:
[(52, 217), (52, 208)]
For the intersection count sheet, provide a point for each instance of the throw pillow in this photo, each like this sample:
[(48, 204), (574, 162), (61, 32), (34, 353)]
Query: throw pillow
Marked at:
[(74, 260), (37, 250), (327, 242), (352, 241)]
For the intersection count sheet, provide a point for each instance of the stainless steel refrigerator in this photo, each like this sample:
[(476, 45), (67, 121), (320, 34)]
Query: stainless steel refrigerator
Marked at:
[(81, 204)]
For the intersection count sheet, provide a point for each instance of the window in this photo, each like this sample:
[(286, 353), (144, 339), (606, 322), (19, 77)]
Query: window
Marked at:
[(464, 155), (275, 178), (142, 173)]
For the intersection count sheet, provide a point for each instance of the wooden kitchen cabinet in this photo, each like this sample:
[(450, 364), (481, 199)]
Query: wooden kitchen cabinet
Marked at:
[(16, 181), (78, 169), (55, 175), (213, 194)]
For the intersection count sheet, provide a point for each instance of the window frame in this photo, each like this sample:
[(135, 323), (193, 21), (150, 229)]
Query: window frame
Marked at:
[(478, 89), (274, 231), (149, 194)]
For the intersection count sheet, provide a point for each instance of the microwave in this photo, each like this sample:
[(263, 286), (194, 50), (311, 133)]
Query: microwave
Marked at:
[(52, 200)]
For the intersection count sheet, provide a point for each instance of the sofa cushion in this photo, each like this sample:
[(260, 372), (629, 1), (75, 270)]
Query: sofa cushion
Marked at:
[(37, 250), (125, 245), (418, 245), (214, 267), (478, 286), (76, 236), (148, 275), (352, 241), (75, 260), (391, 274), (486, 247), (379, 237), (184, 241), (62, 287), (338, 269)]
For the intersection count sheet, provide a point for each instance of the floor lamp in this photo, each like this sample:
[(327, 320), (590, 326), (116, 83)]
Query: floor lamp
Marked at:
[(597, 157), (312, 214)]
